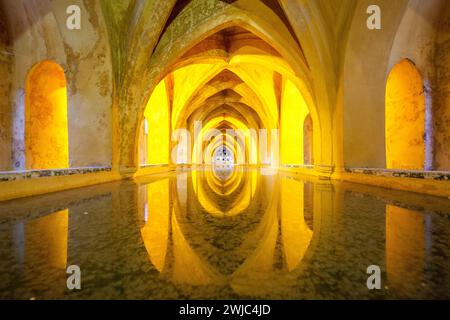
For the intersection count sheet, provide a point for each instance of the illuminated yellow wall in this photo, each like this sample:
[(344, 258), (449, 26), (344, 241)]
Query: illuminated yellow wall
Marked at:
[(187, 80), (293, 113), (405, 118), (157, 115), (260, 80), (46, 129), (405, 247)]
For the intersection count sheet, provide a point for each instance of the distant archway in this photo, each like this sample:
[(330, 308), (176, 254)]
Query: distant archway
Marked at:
[(405, 118), (223, 156), (46, 128)]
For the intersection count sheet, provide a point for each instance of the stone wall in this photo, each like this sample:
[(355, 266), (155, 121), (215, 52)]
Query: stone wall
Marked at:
[(409, 30), (5, 82), (38, 31), (442, 94)]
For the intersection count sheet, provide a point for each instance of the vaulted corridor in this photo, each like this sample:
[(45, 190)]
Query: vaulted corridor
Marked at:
[(224, 149)]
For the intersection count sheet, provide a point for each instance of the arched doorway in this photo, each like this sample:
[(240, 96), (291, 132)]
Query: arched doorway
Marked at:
[(405, 118), (46, 128), (223, 156)]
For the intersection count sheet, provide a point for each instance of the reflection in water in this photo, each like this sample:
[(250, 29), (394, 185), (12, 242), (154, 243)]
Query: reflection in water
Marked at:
[(224, 199), (296, 233), (228, 232), (405, 247), (223, 172), (46, 240), (155, 233), (40, 250)]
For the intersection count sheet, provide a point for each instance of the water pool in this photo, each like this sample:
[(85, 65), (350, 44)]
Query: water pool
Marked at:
[(228, 233)]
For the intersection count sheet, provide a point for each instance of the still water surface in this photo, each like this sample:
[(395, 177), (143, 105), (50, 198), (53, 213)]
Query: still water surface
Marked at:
[(227, 233)]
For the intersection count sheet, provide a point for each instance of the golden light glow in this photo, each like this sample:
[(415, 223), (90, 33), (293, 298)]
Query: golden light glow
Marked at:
[(238, 187), (243, 134), (296, 234), (158, 122), (46, 238), (308, 141), (405, 118), (155, 233), (245, 89), (169, 229), (46, 128), (293, 113), (405, 247), (188, 267)]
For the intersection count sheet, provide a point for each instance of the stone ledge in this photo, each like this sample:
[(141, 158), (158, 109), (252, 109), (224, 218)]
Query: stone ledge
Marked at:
[(143, 166), (7, 176), (302, 166), (412, 174)]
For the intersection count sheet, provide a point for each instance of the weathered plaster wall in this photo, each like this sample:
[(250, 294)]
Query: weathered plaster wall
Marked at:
[(134, 28), (323, 29), (34, 38), (408, 31), (415, 40), (5, 82), (416, 35), (365, 73), (39, 32), (442, 94), (90, 79)]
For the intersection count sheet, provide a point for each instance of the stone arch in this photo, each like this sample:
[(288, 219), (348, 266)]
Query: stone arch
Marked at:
[(177, 40)]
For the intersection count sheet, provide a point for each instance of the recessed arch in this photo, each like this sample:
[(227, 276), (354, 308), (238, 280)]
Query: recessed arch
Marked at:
[(405, 118), (308, 141), (46, 127)]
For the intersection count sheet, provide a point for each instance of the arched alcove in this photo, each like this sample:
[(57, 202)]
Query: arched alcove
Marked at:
[(308, 151), (46, 128), (405, 118)]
